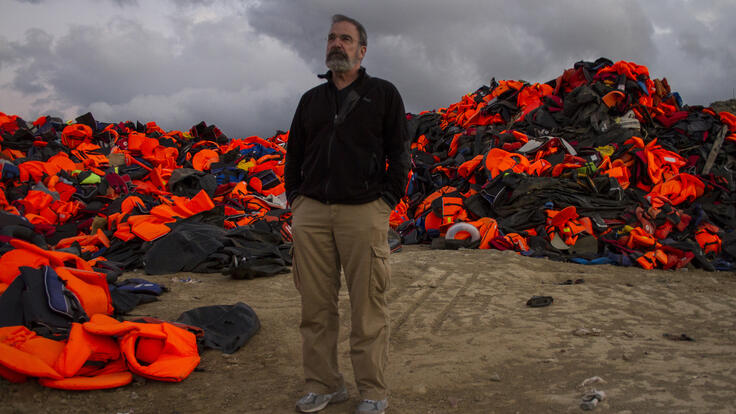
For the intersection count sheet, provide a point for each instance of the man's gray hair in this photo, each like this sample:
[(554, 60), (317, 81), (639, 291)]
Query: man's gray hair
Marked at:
[(362, 35)]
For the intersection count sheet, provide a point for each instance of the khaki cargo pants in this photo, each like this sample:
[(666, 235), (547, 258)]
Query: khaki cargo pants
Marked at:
[(328, 237)]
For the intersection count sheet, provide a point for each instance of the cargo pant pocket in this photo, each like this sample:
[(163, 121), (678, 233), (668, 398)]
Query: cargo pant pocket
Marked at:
[(380, 271)]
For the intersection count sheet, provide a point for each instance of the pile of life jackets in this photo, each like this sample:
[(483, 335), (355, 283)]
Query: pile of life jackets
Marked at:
[(603, 154), (600, 165), (110, 193), (83, 201)]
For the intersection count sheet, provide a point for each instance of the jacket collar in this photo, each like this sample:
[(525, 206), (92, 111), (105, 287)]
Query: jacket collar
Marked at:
[(328, 75)]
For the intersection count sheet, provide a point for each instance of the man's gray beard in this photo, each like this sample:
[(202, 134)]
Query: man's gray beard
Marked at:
[(337, 63)]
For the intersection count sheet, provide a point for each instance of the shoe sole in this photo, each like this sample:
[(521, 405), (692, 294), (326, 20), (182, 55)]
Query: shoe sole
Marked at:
[(312, 409), (373, 412), (334, 400)]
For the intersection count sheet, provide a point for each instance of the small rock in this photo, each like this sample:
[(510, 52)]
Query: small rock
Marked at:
[(626, 357), (420, 389), (133, 395), (549, 360), (587, 332), (629, 334), (495, 377), (432, 285), (453, 402), (592, 380)]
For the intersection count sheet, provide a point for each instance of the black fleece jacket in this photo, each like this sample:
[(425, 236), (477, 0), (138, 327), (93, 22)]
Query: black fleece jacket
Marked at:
[(352, 156)]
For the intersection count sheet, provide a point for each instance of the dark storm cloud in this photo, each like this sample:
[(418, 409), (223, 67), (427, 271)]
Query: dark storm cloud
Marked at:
[(437, 51), (7, 54), (243, 65), (216, 70), (112, 64), (28, 78), (695, 47)]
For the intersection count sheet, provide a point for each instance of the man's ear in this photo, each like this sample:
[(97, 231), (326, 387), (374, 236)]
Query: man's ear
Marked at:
[(363, 49)]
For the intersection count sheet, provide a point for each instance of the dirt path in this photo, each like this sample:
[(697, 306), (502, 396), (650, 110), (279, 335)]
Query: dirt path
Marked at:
[(463, 341)]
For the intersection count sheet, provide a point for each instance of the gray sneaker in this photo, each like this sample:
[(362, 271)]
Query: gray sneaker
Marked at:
[(372, 407), (311, 403)]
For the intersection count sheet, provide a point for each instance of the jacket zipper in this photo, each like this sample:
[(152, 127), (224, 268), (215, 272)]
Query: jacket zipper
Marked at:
[(329, 157)]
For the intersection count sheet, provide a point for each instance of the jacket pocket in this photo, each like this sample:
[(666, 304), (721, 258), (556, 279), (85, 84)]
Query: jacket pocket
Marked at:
[(373, 168)]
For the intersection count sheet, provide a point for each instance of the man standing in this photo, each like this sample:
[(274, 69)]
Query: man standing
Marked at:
[(347, 161)]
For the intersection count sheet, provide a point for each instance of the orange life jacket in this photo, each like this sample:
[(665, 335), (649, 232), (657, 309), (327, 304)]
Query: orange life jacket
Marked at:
[(445, 210), (89, 362), (679, 188), (498, 161), (162, 351), (28, 254), (567, 224), (24, 354), (488, 229), (707, 237), (203, 159), (73, 135)]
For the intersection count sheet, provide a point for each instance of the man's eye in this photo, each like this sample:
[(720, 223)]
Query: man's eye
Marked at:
[(343, 38)]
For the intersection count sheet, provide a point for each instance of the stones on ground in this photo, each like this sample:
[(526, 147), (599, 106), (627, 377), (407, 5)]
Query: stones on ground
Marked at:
[(420, 389), (453, 401), (591, 398), (587, 332), (591, 381)]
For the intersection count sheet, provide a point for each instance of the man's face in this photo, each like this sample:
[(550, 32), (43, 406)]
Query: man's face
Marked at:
[(344, 51)]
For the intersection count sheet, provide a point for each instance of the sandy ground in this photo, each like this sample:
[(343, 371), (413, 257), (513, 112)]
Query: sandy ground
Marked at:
[(463, 341)]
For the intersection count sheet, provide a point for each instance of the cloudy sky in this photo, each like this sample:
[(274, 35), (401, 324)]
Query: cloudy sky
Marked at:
[(243, 65)]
